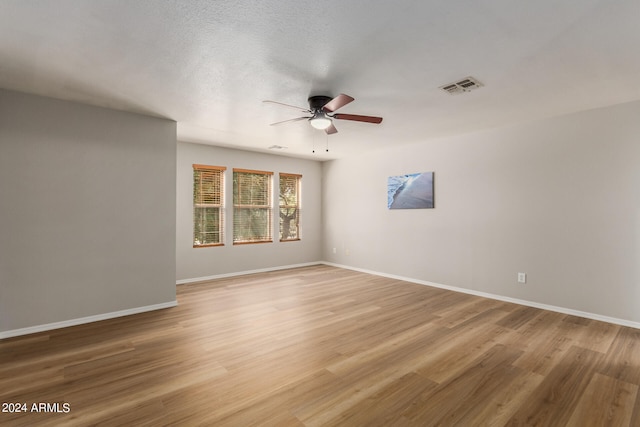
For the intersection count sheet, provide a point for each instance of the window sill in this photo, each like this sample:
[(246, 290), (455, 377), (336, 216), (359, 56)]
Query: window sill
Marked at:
[(252, 243), (210, 245)]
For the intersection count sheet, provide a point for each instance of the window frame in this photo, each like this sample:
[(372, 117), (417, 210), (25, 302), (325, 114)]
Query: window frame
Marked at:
[(267, 236), (199, 203), (298, 192)]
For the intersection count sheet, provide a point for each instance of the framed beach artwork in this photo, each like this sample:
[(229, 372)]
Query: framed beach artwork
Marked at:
[(412, 191)]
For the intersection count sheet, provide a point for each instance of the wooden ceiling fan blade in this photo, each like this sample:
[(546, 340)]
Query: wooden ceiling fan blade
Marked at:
[(331, 129), (358, 118), (337, 102), (290, 120), (302, 109)]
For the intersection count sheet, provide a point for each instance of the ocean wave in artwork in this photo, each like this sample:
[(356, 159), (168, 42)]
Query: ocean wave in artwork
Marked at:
[(411, 191)]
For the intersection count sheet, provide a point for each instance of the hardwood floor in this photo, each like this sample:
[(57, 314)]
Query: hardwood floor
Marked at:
[(322, 346)]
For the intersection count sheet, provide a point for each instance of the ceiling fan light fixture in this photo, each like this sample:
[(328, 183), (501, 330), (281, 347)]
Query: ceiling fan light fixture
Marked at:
[(320, 121)]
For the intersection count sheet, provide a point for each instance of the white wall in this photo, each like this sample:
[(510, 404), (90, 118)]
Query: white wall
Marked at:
[(197, 263), (87, 217), (89, 223), (558, 199)]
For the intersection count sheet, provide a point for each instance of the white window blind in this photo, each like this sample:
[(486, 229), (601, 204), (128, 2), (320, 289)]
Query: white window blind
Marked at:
[(252, 211), (208, 205), (289, 206)]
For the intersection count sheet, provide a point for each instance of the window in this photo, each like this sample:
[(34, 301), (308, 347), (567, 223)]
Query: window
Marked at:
[(289, 206), (208, 204), (252, 209)]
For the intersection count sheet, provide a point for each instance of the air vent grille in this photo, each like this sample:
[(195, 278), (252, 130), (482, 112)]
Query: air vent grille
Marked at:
[(464, 85)]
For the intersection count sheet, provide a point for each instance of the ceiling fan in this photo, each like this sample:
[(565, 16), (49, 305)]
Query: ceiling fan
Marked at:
[(323, 111)]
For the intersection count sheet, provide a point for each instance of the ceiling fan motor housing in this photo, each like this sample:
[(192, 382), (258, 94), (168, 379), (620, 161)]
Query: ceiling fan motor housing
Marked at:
[(317, 102)]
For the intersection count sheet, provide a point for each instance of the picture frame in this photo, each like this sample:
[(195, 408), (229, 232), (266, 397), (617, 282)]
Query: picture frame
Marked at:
[(411, 191)]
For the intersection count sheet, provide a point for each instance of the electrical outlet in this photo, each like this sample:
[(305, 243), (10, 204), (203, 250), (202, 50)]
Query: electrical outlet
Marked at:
[(334, 250), (522, 277)]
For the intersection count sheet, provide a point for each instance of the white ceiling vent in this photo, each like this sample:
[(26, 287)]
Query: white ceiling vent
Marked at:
[(465, 85)]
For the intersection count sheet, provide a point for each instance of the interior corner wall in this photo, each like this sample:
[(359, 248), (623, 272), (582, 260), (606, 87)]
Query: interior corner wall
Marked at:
[(557, 199), (87, 217), (207, 262)]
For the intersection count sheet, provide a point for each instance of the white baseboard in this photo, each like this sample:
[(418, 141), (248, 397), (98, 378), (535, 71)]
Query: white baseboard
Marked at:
[(586, 315), (83, 320), (243, 273)]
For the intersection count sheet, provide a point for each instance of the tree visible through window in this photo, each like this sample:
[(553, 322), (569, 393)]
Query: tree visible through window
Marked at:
[(208, 204), (289, 206), (252, 211)]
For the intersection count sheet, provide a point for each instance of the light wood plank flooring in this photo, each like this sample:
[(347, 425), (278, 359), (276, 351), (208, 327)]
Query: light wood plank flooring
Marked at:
[(322, 346)]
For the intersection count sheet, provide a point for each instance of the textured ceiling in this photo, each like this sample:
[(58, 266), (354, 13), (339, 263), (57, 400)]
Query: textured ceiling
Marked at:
[(209, 64)]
